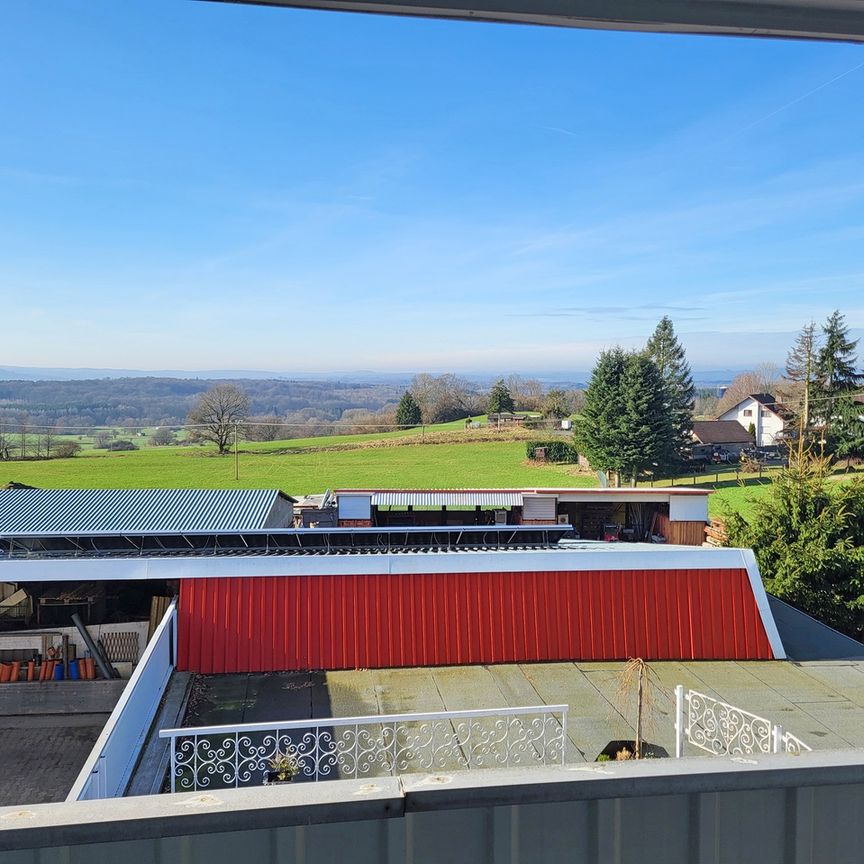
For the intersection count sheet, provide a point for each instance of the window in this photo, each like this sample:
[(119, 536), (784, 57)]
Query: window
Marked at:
[(765, 413), (748, 412)]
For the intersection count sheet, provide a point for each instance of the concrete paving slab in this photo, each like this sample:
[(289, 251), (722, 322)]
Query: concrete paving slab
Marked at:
[(846, 678), (406, 690), (513, 685), (735, 684), (843, 725), (592, 720), (671, 673), (282, 696), (787, 680), (217, 700), (352, 694)]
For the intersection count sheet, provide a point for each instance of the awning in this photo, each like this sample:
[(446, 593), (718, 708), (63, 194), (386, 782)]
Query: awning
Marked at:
[(438, 498)]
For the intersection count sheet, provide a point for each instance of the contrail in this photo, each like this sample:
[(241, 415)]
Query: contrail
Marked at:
[(798, 99)]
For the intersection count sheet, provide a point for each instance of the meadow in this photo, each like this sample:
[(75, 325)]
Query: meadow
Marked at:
[(446, 455)]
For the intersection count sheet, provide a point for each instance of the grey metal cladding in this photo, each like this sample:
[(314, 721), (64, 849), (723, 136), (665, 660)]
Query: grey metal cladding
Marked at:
[(82, 511)]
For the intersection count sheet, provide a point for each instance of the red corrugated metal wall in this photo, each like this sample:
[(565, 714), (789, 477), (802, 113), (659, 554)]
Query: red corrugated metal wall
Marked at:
[(372, 621)]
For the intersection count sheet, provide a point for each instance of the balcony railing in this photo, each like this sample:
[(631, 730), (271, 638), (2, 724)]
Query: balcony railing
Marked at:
[(218, 757), (725, 730)]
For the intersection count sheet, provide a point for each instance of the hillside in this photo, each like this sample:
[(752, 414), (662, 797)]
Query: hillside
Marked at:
[(154, 401)]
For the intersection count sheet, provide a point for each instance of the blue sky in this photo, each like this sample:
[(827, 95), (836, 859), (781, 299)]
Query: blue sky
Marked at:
[(194, 185)]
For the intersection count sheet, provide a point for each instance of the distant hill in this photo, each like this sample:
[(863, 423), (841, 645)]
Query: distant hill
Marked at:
[(62, 373), (156, 401)]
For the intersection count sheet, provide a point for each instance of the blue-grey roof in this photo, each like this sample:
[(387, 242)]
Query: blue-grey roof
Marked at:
[(805, 638), (94, 511)]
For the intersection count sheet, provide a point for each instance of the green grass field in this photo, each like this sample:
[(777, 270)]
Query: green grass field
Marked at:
[(418, 465), (440, 456)]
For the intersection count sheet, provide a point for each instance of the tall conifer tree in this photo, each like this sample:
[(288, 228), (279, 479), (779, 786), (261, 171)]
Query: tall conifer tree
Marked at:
[(624, 426), (668, 355), (408, 411), (598, 430), (500, 399), (838, 380)]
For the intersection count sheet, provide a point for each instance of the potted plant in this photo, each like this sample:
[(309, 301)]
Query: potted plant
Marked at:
[(282, 768)]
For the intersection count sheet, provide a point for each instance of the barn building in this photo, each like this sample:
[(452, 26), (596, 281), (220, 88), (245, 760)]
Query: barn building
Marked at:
[(258, 598), (674, 515)]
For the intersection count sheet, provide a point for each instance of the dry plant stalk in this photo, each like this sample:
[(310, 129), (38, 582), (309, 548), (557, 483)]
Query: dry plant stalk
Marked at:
[(638, 680)]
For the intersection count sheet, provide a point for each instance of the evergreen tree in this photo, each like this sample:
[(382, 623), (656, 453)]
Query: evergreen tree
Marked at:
[(557, 404), (808, 536), (650, 435), (837, 381), (625, 424), (836, 361), (500, 399), (665, 350), (408, 411), (598, 431)]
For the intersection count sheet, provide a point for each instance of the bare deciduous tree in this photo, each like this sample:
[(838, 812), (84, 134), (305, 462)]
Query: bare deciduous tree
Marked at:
[(269, 428), (527, 393), (218, 414), (162, 437), (763, 379), (443, 397)]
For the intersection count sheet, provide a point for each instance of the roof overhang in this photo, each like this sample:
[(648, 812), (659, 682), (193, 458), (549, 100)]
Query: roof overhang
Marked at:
[(839, 20), (432, 498)]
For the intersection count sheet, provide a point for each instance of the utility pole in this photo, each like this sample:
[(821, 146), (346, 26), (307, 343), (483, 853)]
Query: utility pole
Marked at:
[(236, 455)]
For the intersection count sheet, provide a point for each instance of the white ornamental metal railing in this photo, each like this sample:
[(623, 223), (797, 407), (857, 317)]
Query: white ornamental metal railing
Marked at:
[(725, 730), (218, 757)]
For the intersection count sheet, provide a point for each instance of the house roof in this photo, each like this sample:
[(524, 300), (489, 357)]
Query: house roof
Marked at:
[(721, 432), (479, 494), (79, 511), (766, 400)]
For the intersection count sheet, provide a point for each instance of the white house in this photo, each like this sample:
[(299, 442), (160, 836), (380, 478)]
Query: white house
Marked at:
[(764, 413)]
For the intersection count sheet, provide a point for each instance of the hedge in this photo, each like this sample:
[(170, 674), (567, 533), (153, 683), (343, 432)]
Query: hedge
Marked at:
[(556, 451)]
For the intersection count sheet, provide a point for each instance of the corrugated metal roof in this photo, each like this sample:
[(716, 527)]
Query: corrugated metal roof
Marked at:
[(83, 511), (441, 498)]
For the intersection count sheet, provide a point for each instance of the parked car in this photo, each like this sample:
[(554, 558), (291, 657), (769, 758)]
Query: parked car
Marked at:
[(770, 455), (723, 456)]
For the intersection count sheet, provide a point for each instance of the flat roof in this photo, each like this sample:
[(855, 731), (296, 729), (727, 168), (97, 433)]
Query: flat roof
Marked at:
[(624, 491), (278, 541), (582, 555), (821, 702)]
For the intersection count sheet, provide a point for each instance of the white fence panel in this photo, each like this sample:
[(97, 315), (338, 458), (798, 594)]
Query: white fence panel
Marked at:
[(726, 730), (218, 757), (109, 765)]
